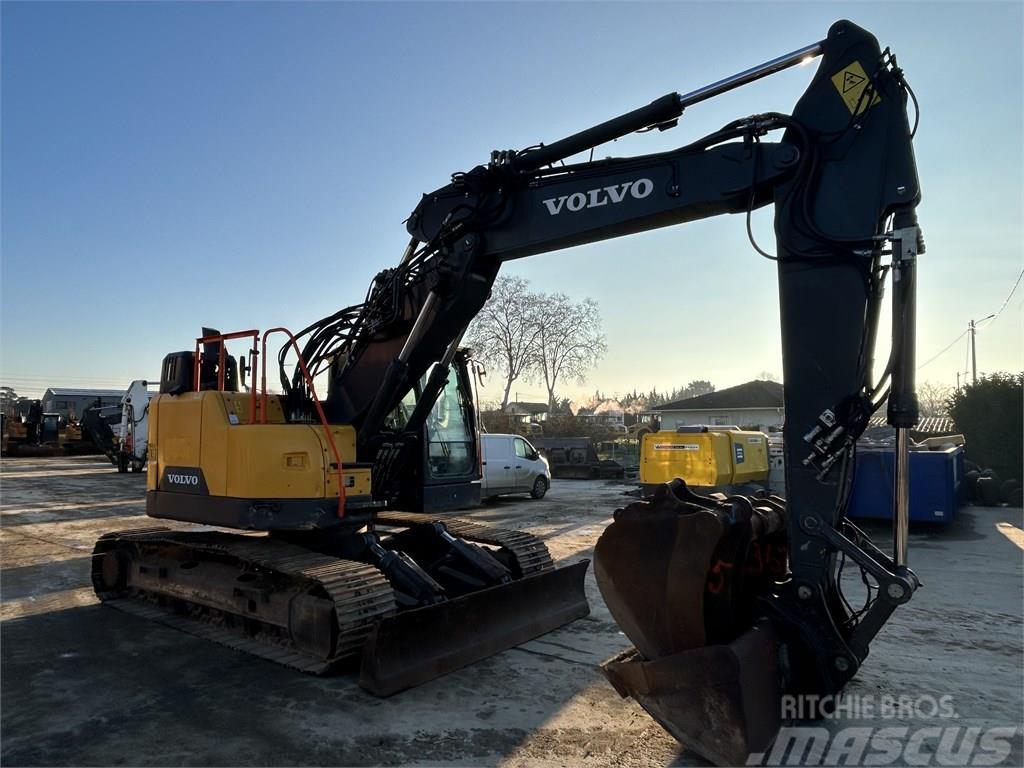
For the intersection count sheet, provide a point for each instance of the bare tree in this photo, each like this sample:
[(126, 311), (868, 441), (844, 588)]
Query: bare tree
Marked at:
[(933, 399), (570, 341), (767, 376), (505, 332)]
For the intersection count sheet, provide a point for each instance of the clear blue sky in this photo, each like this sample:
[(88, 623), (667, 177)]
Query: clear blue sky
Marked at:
[(166, 166)]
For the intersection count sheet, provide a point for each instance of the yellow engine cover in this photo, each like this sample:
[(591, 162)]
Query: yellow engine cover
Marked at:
[(706, 459), (213, 432)]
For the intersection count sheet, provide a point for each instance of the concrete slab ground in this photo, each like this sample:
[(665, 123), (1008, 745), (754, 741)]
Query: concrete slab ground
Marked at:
[(82, 684)]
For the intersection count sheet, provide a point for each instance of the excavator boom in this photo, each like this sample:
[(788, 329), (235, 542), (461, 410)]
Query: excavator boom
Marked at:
[(844, 184)]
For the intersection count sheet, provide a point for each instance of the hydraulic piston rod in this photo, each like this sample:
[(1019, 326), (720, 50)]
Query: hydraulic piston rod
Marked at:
[(658, 112), (799, 56), (903, 406), (901, 507)]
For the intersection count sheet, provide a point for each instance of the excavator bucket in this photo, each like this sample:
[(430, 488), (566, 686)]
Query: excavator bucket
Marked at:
[(681, 575), (415, 646)]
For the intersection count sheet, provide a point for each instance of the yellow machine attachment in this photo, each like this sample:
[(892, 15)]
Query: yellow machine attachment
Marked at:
[(704, 459)]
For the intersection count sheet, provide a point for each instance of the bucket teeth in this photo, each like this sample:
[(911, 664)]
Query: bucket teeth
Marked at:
[(681, 575)]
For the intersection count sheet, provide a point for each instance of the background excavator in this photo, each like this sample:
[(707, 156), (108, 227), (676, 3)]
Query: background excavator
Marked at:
[(729, 601)]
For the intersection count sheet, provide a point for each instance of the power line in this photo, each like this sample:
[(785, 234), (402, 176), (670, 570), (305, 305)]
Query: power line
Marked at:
[(991, 319), (1008, 297), (944, 350)]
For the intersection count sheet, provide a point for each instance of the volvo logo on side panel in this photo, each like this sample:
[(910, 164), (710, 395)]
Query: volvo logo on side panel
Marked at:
[(184, 480), (638, 189)]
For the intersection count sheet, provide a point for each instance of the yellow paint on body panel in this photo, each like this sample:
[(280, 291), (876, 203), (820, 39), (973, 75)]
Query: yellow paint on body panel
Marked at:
[(851, 81), (211, 430)]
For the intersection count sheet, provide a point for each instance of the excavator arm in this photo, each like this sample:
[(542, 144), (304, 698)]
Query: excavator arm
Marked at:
[(844, 185)]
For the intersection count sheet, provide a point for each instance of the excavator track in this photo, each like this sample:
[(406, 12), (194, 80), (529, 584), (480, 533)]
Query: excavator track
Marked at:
[(315, 612), (530, 553), (325, 606)]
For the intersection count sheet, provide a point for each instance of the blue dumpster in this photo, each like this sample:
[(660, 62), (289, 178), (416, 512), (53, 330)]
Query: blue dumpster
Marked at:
[(936, 484)]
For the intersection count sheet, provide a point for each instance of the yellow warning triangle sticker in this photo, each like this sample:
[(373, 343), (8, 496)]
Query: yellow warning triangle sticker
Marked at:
[(851, 82)]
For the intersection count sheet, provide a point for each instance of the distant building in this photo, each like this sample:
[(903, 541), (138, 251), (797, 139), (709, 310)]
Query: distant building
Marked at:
[(524, 413), (756, 405), (610, 413), (72, 403)]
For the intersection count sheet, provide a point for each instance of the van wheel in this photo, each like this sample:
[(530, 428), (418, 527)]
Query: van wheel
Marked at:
[(540, 487)]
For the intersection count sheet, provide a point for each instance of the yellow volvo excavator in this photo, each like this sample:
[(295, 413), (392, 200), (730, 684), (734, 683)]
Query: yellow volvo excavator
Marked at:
[(729, 601)]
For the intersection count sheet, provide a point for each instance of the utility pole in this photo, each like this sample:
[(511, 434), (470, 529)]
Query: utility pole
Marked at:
[(974, 348), (974, 355)]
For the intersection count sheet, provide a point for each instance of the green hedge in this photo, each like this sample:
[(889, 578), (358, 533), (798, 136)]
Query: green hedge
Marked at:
[(990, 416)]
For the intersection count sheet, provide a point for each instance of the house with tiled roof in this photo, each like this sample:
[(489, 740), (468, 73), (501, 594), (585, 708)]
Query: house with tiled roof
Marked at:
[(754, 405), (524, 412)]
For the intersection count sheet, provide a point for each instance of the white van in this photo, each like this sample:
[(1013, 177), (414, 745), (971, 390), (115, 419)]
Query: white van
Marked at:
[(512, 465)]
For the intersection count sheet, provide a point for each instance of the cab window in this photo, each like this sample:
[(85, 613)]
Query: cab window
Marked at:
[(451, 445), (450, 439), (521, 450)]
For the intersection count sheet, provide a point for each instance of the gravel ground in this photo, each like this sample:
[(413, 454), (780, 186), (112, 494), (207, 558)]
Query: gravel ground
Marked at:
[(87, 685)]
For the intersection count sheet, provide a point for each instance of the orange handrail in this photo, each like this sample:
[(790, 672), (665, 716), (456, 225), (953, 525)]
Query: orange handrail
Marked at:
[(316, 402), (255, 336), (221, 372)]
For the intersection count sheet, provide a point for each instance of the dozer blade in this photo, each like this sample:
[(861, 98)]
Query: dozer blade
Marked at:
[(681, 576), (413, 647)]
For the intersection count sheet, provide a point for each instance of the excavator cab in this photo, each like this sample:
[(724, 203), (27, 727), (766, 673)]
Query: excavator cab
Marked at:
[(447, 469)]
